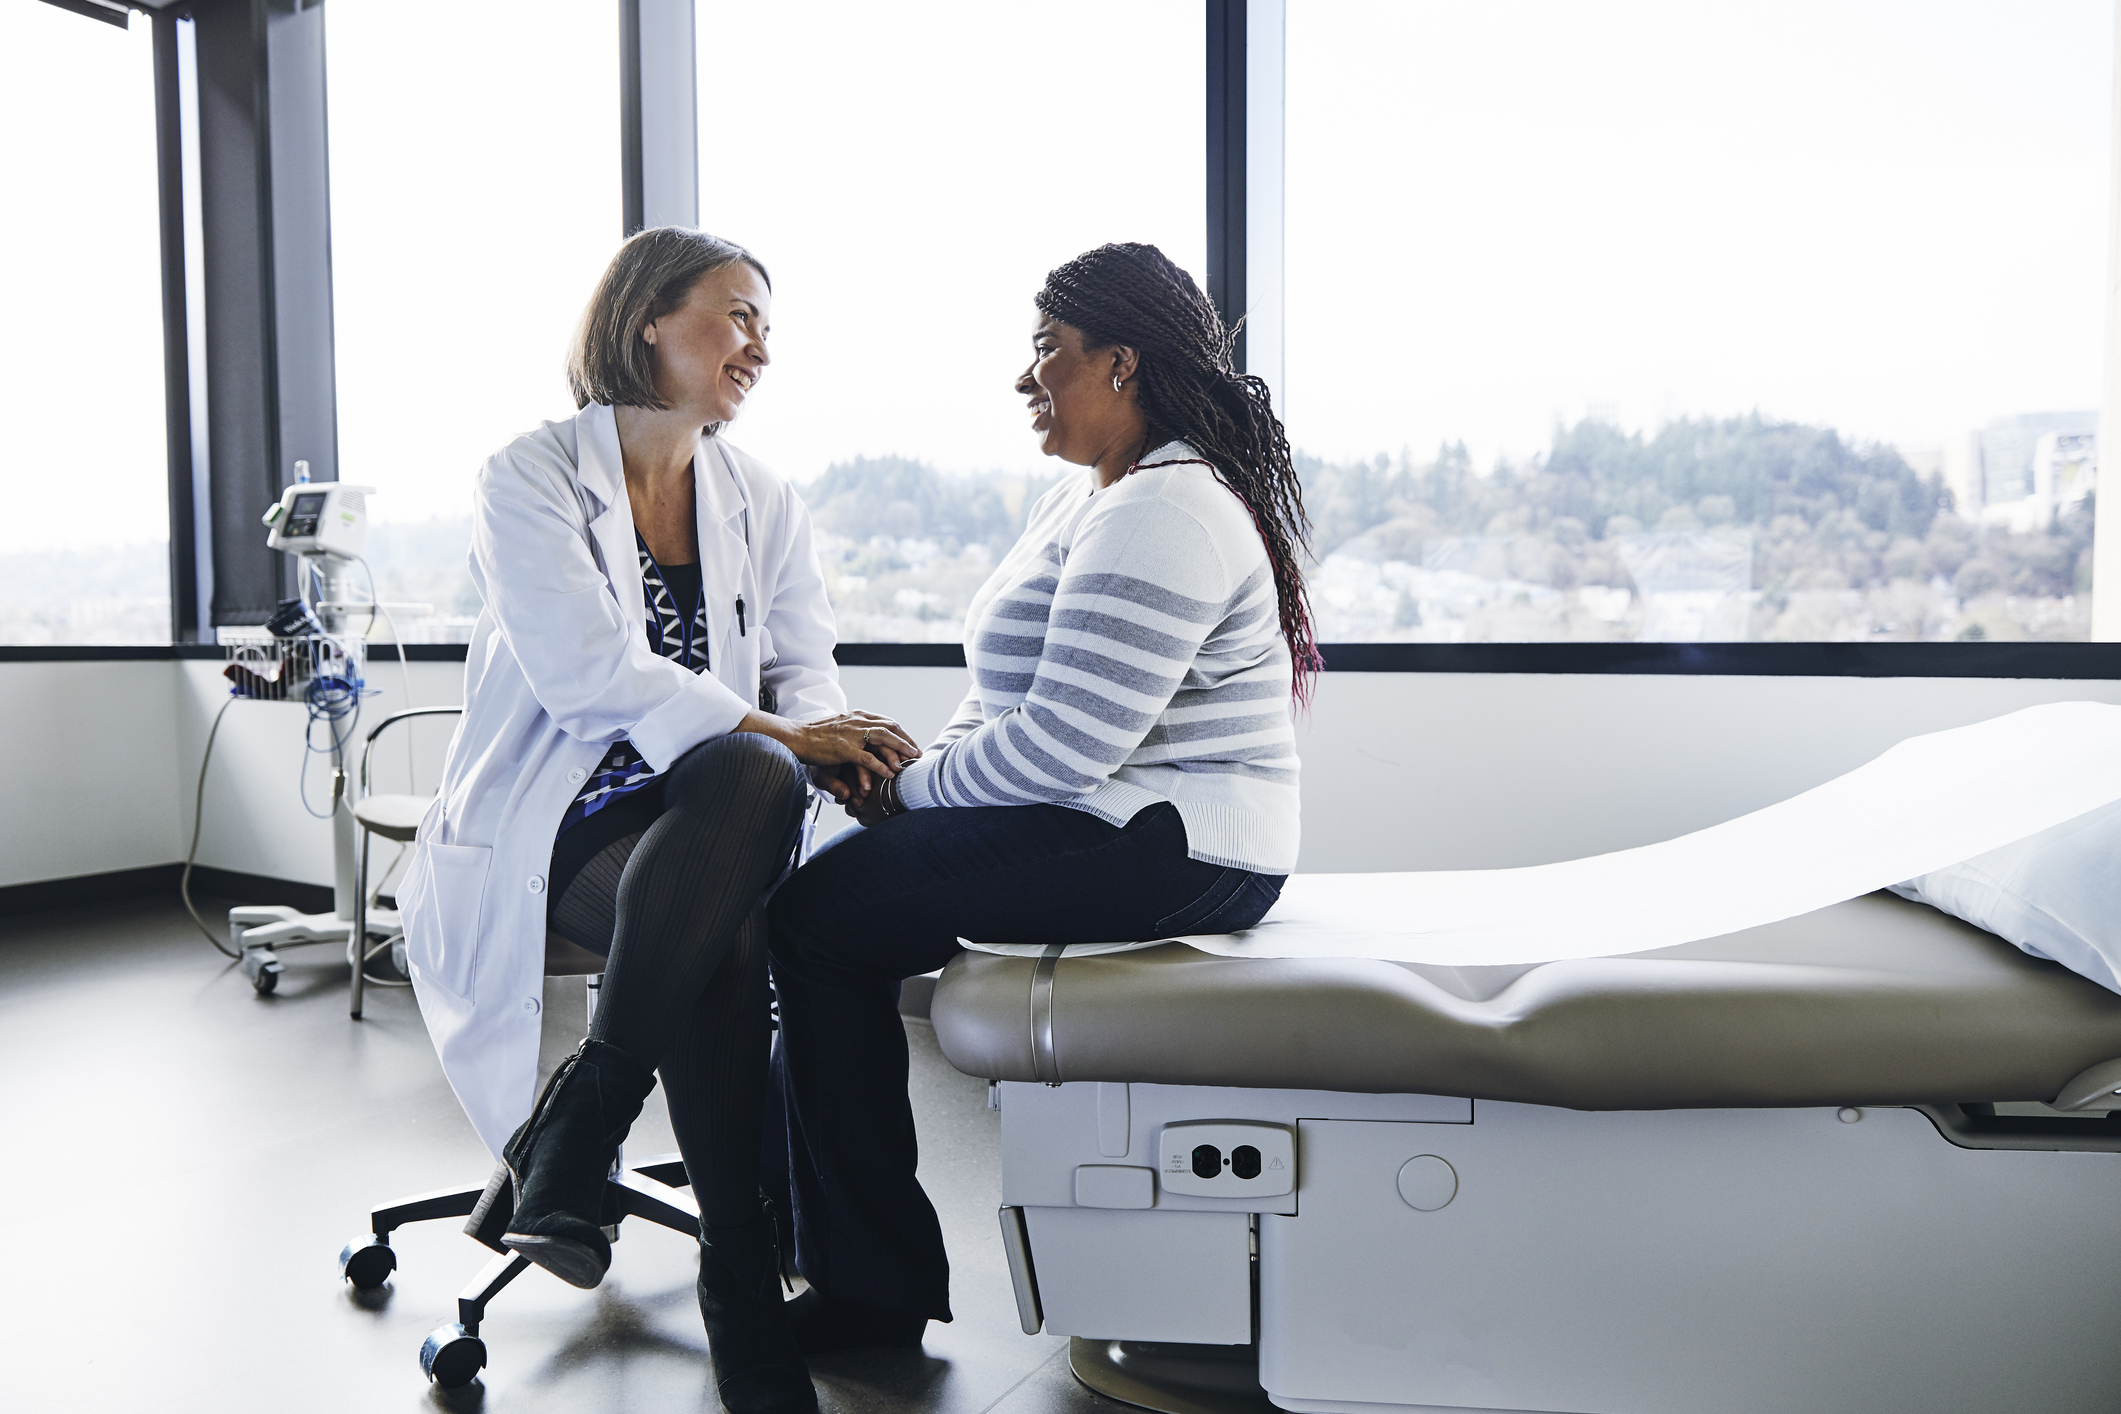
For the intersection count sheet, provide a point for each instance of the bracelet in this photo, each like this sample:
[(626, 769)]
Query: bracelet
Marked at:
[(888, 797)]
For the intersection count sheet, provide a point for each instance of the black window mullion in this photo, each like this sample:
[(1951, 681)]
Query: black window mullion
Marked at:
[(176, 337), (1227, 96)]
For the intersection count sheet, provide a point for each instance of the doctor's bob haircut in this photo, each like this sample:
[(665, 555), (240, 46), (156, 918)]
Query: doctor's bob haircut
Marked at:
[(650, 276)]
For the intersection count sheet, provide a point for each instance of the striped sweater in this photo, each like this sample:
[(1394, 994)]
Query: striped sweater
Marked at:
[(1126, 651)]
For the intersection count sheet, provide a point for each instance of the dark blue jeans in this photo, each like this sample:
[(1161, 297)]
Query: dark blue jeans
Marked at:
[(890, 902)]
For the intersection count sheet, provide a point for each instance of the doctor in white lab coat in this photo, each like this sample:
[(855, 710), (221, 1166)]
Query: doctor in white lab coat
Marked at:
[(562, 665)]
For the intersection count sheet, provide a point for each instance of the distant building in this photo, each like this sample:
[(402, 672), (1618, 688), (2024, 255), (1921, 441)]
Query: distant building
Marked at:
[(2009, 445), (2018, 471), (1962, 472), (2065, 466)]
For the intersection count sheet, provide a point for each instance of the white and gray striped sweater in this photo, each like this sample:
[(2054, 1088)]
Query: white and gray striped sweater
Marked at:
[(1126, 651)]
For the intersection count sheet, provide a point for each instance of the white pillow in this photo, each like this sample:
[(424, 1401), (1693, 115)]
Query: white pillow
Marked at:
[(2056, 894)]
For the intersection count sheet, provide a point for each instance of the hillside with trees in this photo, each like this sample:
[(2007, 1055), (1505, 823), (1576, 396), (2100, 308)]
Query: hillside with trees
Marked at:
[(1708, 529), (905, 546), (1802, 534)]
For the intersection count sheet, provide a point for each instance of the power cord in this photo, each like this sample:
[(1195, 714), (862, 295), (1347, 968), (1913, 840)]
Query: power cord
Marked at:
[(198, 814), (198, 817), (375, 599), (330, 700)]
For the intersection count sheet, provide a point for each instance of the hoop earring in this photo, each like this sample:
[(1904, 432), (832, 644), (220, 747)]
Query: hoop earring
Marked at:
[(1115, 382)]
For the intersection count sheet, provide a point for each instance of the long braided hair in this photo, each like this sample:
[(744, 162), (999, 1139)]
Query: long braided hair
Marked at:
[(1132, 294)]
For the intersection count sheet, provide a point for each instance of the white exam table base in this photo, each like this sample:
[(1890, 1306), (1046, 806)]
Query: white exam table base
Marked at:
[(1773, 1261), (1654, 1206)]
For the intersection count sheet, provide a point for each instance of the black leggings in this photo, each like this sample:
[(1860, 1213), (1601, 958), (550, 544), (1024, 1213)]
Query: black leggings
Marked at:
[(678, 870)]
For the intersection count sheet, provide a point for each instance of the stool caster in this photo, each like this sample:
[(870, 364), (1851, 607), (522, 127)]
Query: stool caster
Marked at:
[(367, 1263), (452, 1357), (384, 961), (263, 969)]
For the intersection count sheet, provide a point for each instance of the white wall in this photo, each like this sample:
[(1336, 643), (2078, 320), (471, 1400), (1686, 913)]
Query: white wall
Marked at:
[(86, 768), (1480, 770), (1401, 771), (254, 818), (1487, 771)]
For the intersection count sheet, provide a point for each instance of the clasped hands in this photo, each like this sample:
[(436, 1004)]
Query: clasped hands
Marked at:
[(852, 755)]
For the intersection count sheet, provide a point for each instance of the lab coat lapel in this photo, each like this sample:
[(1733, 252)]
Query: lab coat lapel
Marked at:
[(603, 476), (725, 564)]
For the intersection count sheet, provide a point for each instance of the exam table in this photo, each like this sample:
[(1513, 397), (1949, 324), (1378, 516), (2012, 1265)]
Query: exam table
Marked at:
[(1865, 1159)]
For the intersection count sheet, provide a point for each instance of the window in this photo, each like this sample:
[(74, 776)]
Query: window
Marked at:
[(1657, 320), (475, 199), (909, 174), (84, 548)]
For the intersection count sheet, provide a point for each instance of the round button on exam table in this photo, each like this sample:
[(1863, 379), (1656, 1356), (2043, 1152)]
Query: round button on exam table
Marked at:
[(1661, 1202)]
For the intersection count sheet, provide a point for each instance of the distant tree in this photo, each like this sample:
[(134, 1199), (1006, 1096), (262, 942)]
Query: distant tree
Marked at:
[(1977, 577), (1823, 512), (906, 499)]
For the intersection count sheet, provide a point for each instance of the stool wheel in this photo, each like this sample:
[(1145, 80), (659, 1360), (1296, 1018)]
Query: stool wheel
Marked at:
[(367, 1263), (451, 1357)]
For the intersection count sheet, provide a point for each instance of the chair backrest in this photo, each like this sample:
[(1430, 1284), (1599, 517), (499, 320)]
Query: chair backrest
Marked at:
[(369, 746)]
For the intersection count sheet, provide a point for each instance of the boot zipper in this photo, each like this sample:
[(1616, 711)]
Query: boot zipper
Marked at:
[(773, 1233)]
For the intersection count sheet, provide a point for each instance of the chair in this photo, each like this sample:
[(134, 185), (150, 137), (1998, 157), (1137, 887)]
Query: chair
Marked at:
[(453, 1354), (394, 817)]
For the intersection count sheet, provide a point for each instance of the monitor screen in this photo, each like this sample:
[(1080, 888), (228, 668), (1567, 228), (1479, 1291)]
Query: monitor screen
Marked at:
[(309, 503)]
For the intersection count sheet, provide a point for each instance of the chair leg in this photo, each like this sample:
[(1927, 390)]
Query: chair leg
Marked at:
[(368, 1261), (666, 1169), (471, 1305), (360, 923), (424, 1207), (453, 1354), (636, 1200)]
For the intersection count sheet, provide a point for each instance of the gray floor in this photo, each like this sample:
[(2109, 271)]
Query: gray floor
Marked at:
[(183, 1160)]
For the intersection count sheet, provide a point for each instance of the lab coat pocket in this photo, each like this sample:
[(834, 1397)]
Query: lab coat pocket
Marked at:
[(442, 933)]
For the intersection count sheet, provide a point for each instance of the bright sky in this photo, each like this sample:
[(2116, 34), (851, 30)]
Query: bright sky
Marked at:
[(1888, 215), (81, 296), (907, 174), (475, 198), (910, 172)]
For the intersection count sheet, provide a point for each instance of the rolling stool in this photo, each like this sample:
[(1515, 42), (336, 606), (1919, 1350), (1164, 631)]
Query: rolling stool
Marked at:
[(394, 817), (452, 1355)]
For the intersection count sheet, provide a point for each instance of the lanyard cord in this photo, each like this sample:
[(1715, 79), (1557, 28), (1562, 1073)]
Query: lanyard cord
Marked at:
[(690, 621)]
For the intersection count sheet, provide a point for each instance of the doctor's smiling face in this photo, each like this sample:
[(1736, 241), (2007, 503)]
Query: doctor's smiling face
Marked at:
[(710, 351)]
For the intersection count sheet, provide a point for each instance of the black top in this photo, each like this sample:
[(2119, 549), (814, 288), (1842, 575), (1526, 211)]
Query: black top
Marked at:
[(677, 630), (683, 582)]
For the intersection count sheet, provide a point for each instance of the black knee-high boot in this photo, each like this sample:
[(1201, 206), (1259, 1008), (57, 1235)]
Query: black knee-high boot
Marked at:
[(558, 1161), (757, 1367)]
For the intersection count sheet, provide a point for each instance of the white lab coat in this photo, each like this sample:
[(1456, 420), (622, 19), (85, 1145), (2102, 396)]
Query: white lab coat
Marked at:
[(559, 668)]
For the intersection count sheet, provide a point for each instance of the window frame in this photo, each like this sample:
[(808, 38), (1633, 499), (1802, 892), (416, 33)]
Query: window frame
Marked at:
[(1264, 24), (1244, 162)]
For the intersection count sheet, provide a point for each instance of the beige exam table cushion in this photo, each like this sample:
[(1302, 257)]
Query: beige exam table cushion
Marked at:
[(1872, 1001)]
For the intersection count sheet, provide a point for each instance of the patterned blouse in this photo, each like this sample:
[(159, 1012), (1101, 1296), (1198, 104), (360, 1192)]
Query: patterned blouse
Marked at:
[(622, 771)]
